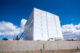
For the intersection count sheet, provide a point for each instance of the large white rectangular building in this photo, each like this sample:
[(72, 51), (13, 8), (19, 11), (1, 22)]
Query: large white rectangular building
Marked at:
[(42, 25)]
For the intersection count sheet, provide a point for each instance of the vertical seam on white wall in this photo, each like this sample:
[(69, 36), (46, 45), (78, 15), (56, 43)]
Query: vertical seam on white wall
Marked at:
[(56, 26), (47, 25), (41, 26), (53, 24)]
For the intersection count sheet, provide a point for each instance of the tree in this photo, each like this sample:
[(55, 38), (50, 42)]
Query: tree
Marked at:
[(5, 39)]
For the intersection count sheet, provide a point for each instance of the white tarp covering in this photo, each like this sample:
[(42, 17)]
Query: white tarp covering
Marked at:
[(42, 25)]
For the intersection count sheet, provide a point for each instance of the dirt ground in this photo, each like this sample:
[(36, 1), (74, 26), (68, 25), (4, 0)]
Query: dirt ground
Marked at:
[(56, 51)]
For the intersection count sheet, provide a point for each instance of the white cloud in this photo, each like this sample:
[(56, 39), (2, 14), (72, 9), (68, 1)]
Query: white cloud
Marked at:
[(23, 22), (8, 28), (71, 31)]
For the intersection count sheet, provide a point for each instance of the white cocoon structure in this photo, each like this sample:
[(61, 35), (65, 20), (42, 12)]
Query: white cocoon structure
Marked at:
[(42, 25)]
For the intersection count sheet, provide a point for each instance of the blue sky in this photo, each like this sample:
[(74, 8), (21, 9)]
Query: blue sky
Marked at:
[(14, 11)]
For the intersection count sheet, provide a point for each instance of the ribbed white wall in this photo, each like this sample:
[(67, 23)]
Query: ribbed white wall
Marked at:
[(46, 26), (42, 25)]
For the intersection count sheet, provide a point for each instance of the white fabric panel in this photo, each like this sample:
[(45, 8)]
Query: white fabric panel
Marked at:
[(58, 28), (54, 27), (28, 31), (37, 25), (51, 25), (42, 25)]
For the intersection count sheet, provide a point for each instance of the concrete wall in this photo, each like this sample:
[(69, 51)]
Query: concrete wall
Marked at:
[(37, 45)]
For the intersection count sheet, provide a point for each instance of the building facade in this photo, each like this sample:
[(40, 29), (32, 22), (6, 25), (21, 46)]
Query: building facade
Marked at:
[(42, 25)]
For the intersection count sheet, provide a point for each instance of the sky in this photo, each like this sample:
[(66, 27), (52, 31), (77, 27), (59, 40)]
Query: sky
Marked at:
[(14, 15)]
